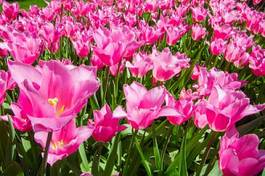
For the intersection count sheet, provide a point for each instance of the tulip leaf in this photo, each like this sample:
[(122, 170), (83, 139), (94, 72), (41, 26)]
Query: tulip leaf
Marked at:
[(82, 153), (112, 157), (183, 158), (143, 160), (216, 171), (156, 154), (14, 169)]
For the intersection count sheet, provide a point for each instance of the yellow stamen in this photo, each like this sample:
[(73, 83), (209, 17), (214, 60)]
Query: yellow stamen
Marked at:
[(53, 102), (57, 145), (60, 111)]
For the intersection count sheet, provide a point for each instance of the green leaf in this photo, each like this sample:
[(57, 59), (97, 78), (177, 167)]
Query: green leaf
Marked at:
[(143, 160), (13, 169), (156, 154), (96, 161), (216, 171), (84, 163), (183, 162), (112, 157)]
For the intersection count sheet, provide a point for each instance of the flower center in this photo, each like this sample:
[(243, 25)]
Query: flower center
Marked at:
[(54, 103), (57, 145)]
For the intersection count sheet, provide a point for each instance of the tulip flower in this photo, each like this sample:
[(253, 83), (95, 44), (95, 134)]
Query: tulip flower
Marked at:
[(24, 49), (106, 123), (184, 107), (140, 66), (166, 65), (198, 14), (217, 47), (225, 107), (198, 32), (144, 106), (10, 11), (256, 2), (6, 83), (257, 62), (64, 142), (174, 34), (240, 155), (207, 80), (82, 44), (56, 92)]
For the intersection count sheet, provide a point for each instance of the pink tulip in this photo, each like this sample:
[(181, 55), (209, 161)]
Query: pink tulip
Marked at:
[(21, 109), (225, 107), (217, 47), (150, 34), (144, 106), (207, 80), (115, 44), (3, 49), (10, 11), (184, 107), (174, 34), (81, 44), (198, 32), (166, 65), (110, 52), (107, 123), (64, 142), (6, 83), (256, 2), (257, 61), (140, 66), (24, 49), (50, 36), (237, 55), (222, 32), (240, 155), (198, 14), (56, 92)]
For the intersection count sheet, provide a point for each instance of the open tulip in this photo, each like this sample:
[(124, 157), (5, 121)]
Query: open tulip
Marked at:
[(64, 142), (198, 32), (144, 106), (166, 65), (240, 155), (56, 92), (224, 108), (106, 123)]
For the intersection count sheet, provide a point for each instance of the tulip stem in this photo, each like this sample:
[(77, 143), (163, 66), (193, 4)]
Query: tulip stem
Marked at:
[(44, 161), (129, 152)]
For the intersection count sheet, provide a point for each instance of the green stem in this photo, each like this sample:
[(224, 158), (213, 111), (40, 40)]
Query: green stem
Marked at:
[(129, 153)]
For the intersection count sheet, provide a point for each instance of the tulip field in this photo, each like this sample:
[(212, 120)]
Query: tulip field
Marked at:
[(132, 88)]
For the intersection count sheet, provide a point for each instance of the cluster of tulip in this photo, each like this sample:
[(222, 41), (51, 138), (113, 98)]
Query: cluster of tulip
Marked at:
[(173, 81)]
